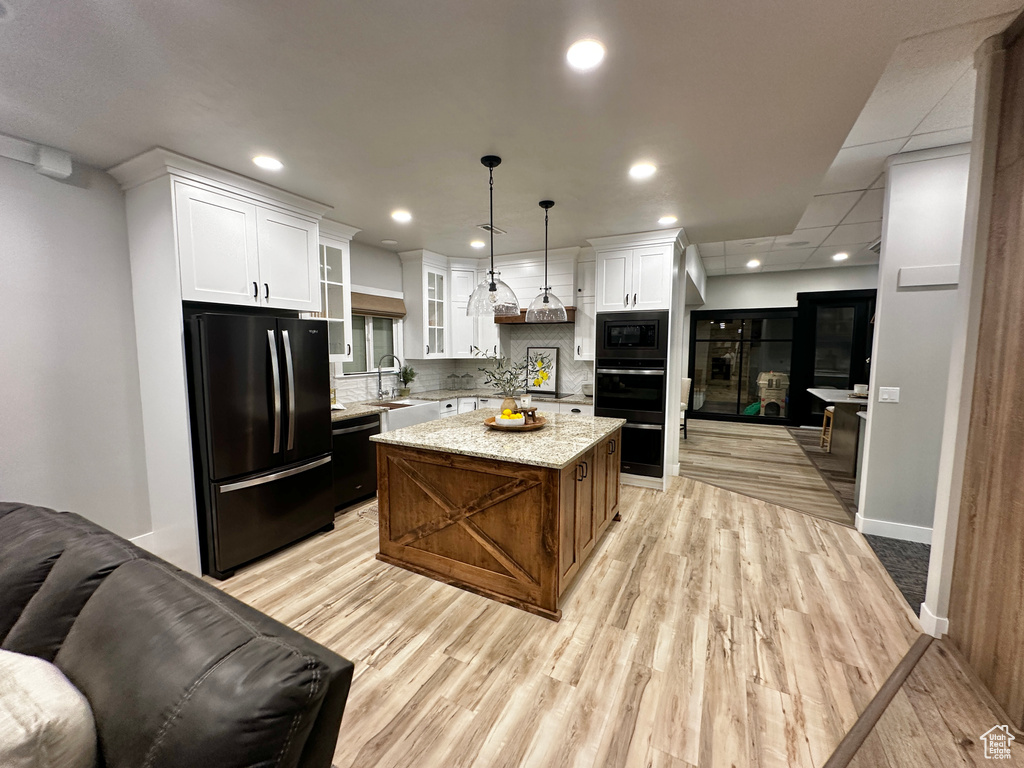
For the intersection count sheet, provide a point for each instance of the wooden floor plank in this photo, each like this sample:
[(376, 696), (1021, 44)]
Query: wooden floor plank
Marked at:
[(762, 461), (708, 628)]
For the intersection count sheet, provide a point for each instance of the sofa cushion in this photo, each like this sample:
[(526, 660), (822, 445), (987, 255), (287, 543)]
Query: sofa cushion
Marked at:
[(48, 616), (177, 678), (45, 722), (31, 540)]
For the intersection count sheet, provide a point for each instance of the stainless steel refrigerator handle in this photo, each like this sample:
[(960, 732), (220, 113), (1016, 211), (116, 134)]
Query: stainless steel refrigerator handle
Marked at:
[(362, 428), (643, 426), (276, 476), (275, 370), (290, 370), (637, 371)]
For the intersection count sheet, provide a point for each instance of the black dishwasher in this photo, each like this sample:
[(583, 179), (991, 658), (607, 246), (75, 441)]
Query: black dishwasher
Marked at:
[(355, 459)]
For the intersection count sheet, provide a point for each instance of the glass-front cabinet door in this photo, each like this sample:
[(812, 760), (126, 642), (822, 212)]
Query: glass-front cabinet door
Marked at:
[(436, 309), (336, 299)]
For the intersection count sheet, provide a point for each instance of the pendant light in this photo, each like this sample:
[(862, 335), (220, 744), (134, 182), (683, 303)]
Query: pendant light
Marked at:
[(492, 296), (546, 308)]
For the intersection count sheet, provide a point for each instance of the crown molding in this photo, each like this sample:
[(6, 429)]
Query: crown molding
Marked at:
[(655, 237), (158, 162)]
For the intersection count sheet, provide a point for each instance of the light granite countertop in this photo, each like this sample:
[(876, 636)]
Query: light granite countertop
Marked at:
[(564, 439), (451, 394), (355, 410)]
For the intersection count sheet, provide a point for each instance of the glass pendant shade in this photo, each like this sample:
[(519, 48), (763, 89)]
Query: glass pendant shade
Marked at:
[(546, 308), (492, 296), (501, 302)]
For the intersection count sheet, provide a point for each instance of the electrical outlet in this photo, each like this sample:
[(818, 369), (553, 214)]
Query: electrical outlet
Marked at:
[(888, 394)]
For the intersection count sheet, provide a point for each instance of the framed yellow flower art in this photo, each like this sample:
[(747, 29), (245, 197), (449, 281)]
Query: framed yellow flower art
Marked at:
[(542, 369)]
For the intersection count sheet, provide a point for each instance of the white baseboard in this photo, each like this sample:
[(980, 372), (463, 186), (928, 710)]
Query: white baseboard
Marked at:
[(146, 541), (936, 626), (892, 530), (642, 481)]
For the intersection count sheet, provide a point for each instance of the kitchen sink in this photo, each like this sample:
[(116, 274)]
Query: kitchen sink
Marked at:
[(405, 413)]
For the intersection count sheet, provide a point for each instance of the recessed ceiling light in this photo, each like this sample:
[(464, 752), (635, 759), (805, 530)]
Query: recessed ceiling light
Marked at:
[(584, 55), (402, 216), (642, 171), (840, 257), (478, 243), (389, 242), (667, 220), (753, 263), (268, 163)]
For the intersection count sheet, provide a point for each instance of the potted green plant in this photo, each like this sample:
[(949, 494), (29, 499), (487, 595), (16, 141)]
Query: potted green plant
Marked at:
[(509, 378), (405, 376)]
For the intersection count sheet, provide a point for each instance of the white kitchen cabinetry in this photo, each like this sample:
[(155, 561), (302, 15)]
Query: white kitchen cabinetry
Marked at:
[(586, 315), (635, 272), (489, 402), (216, 246), (449, 407), (579, 410), (425, 285), (467, 404), (524, 273), (288, 248), (233, 251), (336, 289), (464, 328), (194, 234), (545, 406)]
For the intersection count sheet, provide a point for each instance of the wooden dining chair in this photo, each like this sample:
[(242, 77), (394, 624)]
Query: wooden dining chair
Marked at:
[(685, 401), (826, 429)]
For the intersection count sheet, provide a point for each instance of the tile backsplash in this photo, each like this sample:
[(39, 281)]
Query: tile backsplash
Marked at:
[(433, 374)]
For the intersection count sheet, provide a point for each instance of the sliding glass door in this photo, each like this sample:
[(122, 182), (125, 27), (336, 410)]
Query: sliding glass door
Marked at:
[(740, 364)]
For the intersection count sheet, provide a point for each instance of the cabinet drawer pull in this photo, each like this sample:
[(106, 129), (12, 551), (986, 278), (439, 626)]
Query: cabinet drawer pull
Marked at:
[(625, 300), (579, 348), (634, 299), (575, 410), (349, 348), (586, 469), (428, 349), (449, 406), (579, 473), (266, 291), (255, 290), (611, 446)]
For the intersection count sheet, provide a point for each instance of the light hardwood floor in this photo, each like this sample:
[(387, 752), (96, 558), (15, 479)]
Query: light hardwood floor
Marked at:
[(708, 629), (758, 460), (937, 719)]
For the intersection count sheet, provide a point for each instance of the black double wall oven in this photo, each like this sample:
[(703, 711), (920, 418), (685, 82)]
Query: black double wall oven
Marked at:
[(632, 384)]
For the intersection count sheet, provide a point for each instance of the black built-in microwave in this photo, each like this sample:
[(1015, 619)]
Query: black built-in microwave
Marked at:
[(632, 335)]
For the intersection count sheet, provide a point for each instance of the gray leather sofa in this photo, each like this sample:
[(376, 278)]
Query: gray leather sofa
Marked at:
[(177, 673)]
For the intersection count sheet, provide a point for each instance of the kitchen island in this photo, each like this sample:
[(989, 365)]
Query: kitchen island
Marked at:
[(507, 515)]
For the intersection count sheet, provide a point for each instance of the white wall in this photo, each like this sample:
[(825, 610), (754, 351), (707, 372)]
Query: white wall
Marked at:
[(374, 267), (70, 409), (779, 289), (925, 206)]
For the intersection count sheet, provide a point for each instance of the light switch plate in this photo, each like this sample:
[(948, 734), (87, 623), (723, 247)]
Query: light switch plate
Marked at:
[(888, 394)]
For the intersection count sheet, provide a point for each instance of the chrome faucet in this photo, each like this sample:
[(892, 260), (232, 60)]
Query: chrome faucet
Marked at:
[(380, 382)]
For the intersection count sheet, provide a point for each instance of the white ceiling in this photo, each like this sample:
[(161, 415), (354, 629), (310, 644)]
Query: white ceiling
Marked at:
[(924, 99), (378, 105)]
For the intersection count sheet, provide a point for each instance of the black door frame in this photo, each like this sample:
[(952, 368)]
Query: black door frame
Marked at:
[(804, 340)]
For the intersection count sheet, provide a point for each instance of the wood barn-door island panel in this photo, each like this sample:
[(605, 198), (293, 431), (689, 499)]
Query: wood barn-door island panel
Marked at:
[(508, 515)]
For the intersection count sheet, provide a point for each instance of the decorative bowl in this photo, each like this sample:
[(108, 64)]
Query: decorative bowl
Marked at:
[(540, 422)]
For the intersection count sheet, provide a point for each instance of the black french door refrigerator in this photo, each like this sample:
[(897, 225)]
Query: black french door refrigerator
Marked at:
[(262, 426)]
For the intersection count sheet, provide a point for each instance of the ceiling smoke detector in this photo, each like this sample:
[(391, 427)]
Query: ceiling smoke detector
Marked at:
[(488, 228)]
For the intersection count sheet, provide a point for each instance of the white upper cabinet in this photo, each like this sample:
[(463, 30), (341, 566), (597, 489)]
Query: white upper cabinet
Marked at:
[(463, 327), (586, 316), (336, 290), (425, 285), (636, 272), (652, 278), (217, 247), (614, 280), (288, 249), (232, 251), (228, 238)]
